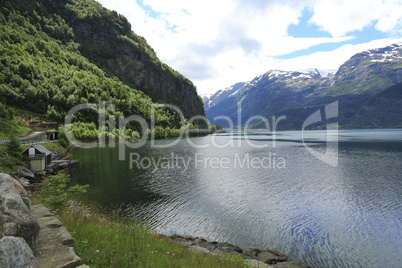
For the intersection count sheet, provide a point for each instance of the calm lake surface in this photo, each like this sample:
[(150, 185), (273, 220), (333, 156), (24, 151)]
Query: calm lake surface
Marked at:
[(326, 205)]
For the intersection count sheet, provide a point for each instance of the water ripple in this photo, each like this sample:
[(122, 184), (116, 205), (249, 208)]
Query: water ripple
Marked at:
[(348, 216)]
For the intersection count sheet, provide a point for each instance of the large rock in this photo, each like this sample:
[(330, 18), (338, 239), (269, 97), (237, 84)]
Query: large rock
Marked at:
[(15, 214), (185, 241), (201, 250), (290, 264), (228, 248), (15, 253), (26, 173), (251, 253), (55, 244), (57, 165), (25, 182), (256, 264), (270, 257), (204, 243)]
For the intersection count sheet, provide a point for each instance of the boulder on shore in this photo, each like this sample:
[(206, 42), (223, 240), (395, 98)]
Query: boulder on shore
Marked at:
[(31, 239), (253, 257), (26, 173), (15, 215), (15, 252)]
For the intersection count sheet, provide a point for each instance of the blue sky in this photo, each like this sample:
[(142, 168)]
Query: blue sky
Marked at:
[(218, 43)]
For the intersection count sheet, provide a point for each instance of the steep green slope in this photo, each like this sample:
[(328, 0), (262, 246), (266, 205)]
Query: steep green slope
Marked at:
[(9, 123), (106, 39), (43, 67), (367, 72)]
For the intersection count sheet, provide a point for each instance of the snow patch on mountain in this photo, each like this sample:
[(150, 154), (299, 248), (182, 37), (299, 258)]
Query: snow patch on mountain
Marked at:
[(391, 53)]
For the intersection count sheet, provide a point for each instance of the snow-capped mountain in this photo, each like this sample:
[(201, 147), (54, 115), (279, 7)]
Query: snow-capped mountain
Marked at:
[(222, 94), (296, 93)]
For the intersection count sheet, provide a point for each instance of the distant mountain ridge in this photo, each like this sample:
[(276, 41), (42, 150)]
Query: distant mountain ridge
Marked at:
[(296, 94)]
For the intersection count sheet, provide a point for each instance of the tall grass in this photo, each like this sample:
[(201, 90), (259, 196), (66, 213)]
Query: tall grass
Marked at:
[(106, 240)]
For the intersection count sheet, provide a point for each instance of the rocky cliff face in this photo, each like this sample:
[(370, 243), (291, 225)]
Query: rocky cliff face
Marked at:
[(137, 68), (106, 39)]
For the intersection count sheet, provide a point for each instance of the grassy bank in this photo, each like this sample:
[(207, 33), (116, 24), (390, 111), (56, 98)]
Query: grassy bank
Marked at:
[(107, 240)]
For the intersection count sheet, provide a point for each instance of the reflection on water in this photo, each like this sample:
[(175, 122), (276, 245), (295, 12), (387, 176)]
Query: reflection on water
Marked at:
[(344, 216)]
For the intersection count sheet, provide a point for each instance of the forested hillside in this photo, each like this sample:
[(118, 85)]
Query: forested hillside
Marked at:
[(51, 60)]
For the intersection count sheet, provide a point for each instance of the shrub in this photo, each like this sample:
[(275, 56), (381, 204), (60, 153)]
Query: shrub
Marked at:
[(13, 148), (9, 163), (62, 137), (55, 191)]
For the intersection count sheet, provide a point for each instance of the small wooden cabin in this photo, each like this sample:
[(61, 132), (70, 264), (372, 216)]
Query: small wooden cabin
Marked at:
[(52, 135), (38, 156)]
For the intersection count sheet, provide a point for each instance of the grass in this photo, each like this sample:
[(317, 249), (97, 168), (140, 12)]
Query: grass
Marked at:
[(6, 125), (107, 240), (52, 145)]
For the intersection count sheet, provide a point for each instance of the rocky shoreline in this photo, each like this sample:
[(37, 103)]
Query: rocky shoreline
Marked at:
[(38, 239), (254, 257), (46, 243), (31, 236)]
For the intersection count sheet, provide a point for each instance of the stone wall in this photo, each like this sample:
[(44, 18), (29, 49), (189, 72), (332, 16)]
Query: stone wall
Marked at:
[(31, 236), (15, 211)]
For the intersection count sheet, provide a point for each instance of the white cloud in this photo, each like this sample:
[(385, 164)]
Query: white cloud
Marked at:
[(330, 61), (218, 43), (344, 16), (326, 62), (391, 21)]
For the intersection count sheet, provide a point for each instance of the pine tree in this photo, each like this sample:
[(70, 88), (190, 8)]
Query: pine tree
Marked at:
[(13, 147)]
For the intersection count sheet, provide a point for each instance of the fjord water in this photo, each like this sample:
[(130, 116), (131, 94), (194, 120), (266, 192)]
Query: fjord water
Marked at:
[(346, 213)]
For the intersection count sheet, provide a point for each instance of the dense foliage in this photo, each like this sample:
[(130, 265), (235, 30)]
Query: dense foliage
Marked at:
[(10, 125), (47, 76), (10, 154), (116, 27), (43, 70)]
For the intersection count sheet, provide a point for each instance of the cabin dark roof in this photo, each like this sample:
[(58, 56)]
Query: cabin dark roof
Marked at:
[(40, 148)]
